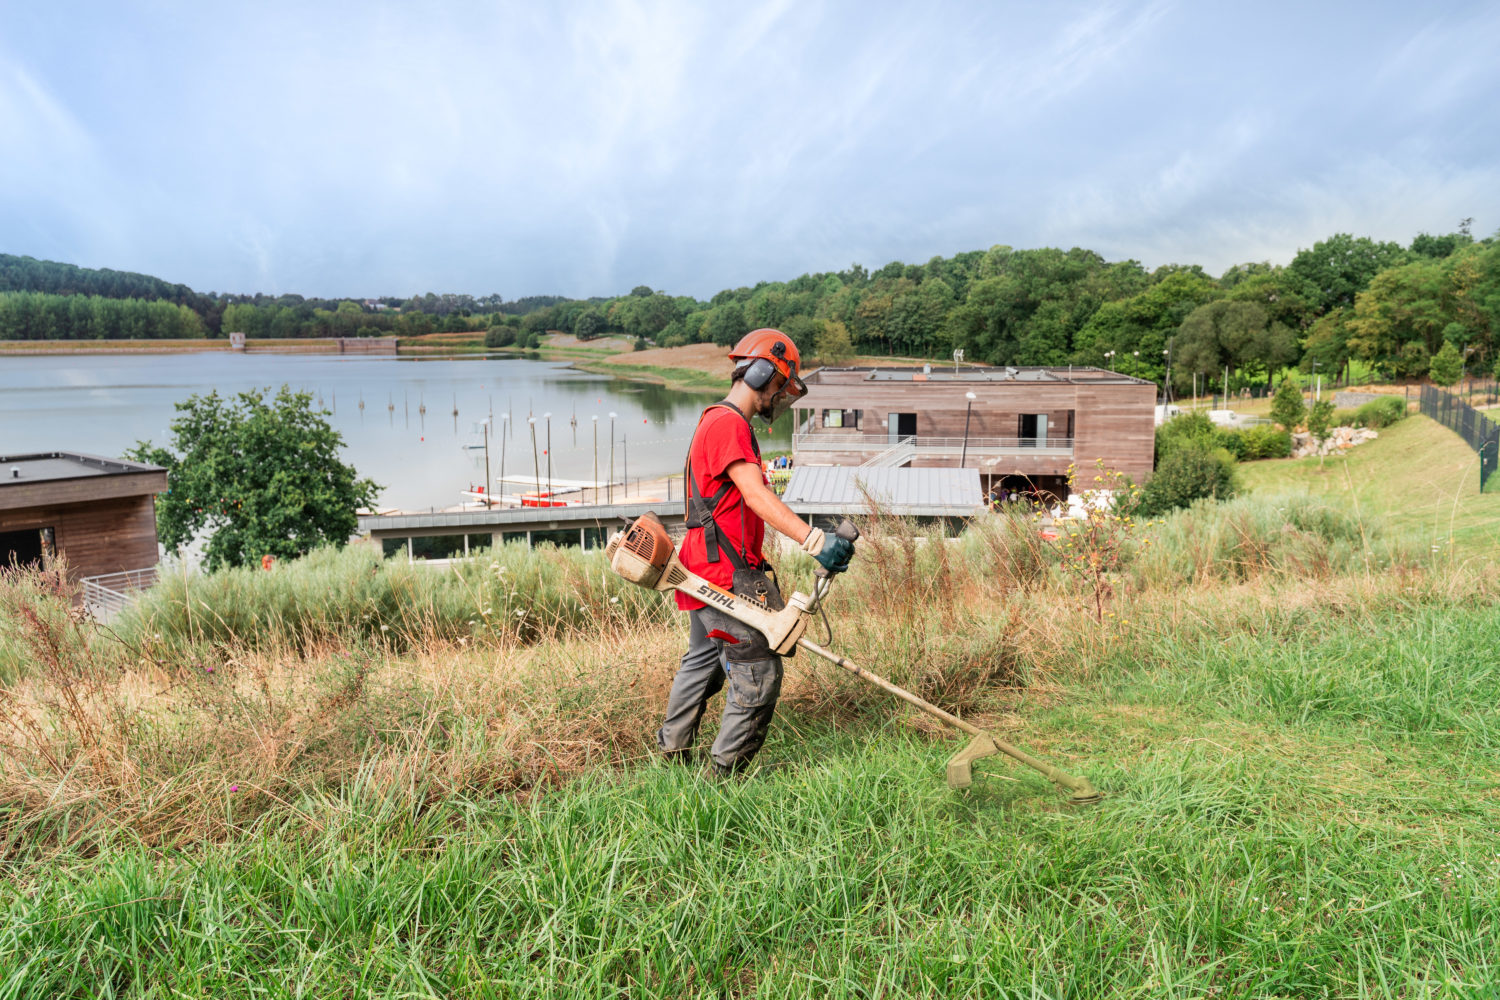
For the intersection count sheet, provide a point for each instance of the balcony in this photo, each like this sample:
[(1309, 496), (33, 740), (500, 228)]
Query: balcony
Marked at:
[(813, 442)]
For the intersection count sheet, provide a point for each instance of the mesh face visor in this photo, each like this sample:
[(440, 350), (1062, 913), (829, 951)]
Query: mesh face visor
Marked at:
[(792, 389)]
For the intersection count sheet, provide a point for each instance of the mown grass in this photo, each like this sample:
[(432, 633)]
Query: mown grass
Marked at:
[(1290, 706)]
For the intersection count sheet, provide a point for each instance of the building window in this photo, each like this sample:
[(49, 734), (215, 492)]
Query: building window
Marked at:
[(841, 418), (1033, 430)]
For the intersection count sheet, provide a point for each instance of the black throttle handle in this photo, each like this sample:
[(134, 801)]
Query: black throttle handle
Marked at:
[(849, 533)]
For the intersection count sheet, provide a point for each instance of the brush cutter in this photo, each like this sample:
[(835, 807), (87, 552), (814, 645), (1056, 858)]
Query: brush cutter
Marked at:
[(643, 553)]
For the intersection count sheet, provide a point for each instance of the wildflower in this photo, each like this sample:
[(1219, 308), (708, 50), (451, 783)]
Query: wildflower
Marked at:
[(234, 788), (614, 600), (385, 628)]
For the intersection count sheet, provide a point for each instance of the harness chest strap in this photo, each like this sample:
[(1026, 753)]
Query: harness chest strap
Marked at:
[(699, 510)]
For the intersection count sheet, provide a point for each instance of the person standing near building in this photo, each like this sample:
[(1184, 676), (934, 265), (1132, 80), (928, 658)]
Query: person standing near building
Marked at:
[(729, 505)]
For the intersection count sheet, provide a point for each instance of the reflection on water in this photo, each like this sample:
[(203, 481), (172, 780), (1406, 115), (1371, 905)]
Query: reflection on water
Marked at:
[(425, 447)]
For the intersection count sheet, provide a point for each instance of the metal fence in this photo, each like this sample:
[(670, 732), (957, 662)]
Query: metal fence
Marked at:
[(1477, 430)]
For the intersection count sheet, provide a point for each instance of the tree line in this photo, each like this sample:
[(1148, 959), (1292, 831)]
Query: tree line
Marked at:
[(1346, 298)]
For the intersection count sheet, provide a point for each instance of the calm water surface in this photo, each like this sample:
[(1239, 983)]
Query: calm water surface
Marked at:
[(103, 404)]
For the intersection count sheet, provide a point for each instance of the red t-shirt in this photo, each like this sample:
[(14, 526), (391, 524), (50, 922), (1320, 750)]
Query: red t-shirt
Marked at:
[(723, 438)]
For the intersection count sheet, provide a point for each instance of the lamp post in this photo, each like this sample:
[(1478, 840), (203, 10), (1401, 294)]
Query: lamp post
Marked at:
[(596, 458), (611, 487), (1317, 386), (1166, 385), (963, 454), (1109, 361), (1137, 356)]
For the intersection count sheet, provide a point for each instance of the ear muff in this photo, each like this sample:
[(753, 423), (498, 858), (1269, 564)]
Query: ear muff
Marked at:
[(759, 374)]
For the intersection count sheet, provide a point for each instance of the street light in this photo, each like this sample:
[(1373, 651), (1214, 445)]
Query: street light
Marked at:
[(1166, 385), (611, 456), (1317, 386), (968, 407)]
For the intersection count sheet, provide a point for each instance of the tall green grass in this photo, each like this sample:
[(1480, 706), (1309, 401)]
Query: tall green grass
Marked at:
[(250, 788), (1254, 844), (354, 596)]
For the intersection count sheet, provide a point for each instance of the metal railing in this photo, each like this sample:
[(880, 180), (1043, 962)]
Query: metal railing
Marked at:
[(904, 450), (824, 441), (1477, 430), (107, 594)]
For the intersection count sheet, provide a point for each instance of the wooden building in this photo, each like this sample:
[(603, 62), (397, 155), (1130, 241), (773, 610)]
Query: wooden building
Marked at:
[(99, 514), (1021, 428)]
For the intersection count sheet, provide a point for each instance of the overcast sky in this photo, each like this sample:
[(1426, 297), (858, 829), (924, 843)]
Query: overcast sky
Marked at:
[(377, 148)]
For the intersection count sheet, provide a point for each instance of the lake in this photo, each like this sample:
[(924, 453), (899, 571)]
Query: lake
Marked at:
[(102, 404)]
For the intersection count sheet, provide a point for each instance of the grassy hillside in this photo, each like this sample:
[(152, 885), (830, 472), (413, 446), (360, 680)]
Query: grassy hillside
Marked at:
[(1419, 478), (350, 778)]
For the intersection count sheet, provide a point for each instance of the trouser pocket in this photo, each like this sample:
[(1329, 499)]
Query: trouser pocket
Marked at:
[(749, 704)]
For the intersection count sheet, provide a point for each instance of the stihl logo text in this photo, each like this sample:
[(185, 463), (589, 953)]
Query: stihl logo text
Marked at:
[(710, 594)]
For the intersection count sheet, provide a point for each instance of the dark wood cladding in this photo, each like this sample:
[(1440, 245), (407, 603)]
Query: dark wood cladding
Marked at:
[(80, 489), (101, 536)]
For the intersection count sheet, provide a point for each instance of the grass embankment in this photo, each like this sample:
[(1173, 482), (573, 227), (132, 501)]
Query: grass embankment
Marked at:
[(1290, 708), (1418, 477)]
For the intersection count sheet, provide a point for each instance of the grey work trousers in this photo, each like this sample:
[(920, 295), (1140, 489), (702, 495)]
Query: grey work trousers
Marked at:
[(754, 674)]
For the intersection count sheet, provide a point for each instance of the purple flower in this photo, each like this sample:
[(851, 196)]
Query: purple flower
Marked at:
[(234, 788)]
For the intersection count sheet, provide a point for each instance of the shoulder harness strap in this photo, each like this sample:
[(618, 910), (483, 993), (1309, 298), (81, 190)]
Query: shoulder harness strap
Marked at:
[(699, 510)]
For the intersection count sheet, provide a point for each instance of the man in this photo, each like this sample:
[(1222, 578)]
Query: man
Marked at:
[(729, 505)]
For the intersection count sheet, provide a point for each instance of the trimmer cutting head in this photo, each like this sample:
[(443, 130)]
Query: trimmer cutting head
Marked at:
[(961, 769)]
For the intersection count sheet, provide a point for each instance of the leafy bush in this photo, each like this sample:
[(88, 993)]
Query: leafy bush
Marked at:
[(499, 336), (1230, 440), (1380, 413), (1266, 441), (1187, 430), (1189, 472)]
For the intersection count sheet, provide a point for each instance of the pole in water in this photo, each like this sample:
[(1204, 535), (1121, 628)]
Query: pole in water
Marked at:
[(536, 465), (487, 487), (548, 417)]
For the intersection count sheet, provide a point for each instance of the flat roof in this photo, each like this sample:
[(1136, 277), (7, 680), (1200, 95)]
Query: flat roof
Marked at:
[(51, 466), (817, 489), (968, 374)]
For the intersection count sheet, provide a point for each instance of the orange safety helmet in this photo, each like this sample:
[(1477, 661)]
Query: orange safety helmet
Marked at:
[(763, 354)]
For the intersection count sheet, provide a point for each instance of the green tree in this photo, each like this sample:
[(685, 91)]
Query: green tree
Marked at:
[(1447, 365), (834, 347), (1287, 408), (1319, 423), (254, 476), (1337, 269)]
